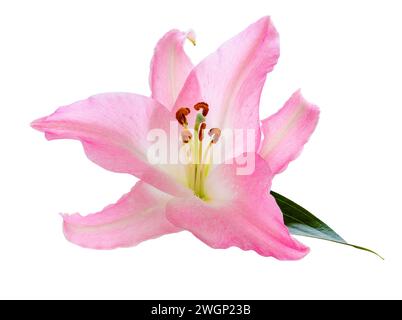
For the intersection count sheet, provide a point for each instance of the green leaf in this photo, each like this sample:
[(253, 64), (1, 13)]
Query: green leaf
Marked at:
[(303, 223)]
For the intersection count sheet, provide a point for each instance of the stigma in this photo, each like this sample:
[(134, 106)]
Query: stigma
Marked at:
[(200, 158)]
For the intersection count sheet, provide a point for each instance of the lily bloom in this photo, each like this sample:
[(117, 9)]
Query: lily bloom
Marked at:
[(212, 201)]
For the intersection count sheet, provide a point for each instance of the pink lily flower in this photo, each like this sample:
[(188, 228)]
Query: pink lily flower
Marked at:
[(212, 201)]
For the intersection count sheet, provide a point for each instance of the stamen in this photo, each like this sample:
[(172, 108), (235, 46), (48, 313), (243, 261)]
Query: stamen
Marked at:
[(186, 135), (215, 134), (201, 131), (204, 106), (200, 162), (181, 116)]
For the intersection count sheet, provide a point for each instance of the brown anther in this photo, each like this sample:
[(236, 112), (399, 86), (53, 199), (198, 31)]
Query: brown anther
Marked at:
[(186, 135), (201, 131), (204, 106), (181, 116), (214, 133)]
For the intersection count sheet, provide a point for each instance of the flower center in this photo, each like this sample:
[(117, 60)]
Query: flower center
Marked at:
[(198, 156)]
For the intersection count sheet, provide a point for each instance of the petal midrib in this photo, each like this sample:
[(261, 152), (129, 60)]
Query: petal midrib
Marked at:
[(282, 132), (237, 81)]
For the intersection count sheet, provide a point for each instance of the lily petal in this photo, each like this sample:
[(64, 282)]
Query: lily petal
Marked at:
[(240, 212), (286, 132), (170, 67), (113, 129), (231, 79), (136, 217)]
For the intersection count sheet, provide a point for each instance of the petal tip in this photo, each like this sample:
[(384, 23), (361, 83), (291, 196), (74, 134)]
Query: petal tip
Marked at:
[(311, 107), (191, 36), (38, 123), (296, 251)]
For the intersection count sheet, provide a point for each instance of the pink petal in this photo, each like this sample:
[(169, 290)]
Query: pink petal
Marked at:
[(231, 79), (240, 212), (136, 217), (113, 129), (286, 132), (170, 67)]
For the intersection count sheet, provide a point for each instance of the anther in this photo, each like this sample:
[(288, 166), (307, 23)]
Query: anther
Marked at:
[(181, 116), (214, 133), (204, 106), (186, 135), (201, 131)]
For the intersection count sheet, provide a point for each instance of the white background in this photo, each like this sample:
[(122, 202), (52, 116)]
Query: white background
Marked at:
[(345, 55)]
